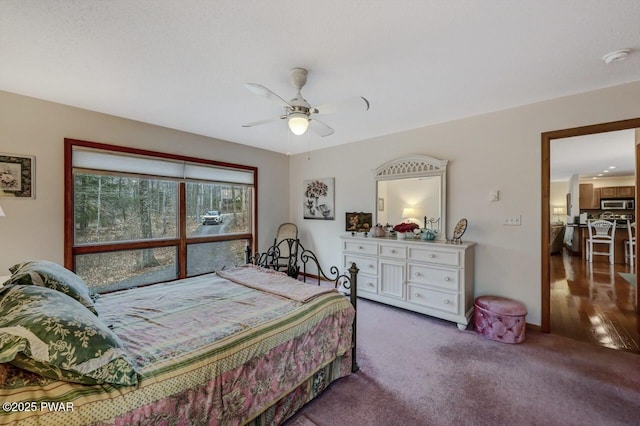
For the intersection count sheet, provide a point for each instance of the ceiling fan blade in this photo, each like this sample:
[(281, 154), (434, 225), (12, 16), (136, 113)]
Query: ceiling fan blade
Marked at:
[(265, 121), (260, 90), (356, 104), (320, 128)]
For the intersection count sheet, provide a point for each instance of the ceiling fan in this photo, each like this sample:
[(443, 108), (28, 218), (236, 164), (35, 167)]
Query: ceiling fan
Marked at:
[(299, 114)]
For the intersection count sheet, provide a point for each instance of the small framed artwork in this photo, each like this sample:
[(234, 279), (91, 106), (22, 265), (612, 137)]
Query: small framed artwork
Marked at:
[(380, 204), (17, 176), (358, 222), (319, 199)]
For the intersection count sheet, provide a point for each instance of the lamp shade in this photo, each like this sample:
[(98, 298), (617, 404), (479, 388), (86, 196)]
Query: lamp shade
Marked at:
[(1, 212), (407, 213), (298, 123), (558, 210)]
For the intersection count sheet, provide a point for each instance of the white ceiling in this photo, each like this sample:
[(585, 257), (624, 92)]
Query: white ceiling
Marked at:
[(182, 64), (599, 156)]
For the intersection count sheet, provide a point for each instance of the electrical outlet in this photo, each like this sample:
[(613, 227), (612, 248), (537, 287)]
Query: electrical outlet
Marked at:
[(512, 220)]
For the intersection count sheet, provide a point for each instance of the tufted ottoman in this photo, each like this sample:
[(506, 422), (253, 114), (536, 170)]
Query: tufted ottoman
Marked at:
[(500, 319)]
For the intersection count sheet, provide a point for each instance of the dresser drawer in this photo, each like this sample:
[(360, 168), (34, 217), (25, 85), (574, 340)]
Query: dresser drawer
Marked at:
[(367, 284), (435, 256), (393, 251), (446, 278), (446, 302), (366, 265), (362, 247)]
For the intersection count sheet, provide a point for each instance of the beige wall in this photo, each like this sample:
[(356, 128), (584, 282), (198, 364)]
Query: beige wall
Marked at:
[(558, 198), (496, 151), (33, 229)]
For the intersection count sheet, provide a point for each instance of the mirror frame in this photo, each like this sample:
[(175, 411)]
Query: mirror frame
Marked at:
[(416, 166)]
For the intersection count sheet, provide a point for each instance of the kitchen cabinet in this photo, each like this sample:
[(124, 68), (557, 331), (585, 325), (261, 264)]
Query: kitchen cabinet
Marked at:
[(576, 240), (430, 277), (608, 192), (626, 191), (617, 191), (595, 201), (589, 197)]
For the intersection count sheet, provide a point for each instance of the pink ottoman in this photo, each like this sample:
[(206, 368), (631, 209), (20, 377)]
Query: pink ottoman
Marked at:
[(500, 319)]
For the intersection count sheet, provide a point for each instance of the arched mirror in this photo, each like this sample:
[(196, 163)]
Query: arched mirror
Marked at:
[(410, 189)]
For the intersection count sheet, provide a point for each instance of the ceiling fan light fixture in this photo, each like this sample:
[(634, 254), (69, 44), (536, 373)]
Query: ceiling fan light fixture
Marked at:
[(298, 123), (298, 111)]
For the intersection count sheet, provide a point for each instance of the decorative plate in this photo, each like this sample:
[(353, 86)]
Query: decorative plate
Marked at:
[(461, 226)]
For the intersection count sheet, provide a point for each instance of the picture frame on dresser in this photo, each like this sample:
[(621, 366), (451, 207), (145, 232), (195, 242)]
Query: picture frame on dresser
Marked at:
[(358, 221)]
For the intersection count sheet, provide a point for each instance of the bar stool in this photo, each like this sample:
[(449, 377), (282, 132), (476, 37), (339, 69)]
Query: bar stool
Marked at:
[(601, 232), (630, 245)]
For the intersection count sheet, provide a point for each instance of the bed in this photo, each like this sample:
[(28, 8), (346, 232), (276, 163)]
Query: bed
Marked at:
[(244, 346)]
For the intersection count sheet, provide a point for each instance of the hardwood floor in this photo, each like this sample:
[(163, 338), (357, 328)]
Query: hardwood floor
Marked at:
[(593, 303)]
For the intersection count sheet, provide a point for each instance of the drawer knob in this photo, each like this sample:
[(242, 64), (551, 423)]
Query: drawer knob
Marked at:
[(370, 284), (447, 279), (446, 301), (418, 274), (393, 250), (431, 255), (371, 266), (417, 295), (360, 248)]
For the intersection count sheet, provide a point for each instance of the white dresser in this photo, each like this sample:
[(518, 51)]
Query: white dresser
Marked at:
[(429, 277)]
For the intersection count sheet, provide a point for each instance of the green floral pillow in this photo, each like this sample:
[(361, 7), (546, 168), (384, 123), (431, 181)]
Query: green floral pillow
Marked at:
[(52, 275), (49, 333)]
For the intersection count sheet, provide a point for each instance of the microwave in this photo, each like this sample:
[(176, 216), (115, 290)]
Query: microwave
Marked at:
[(617, 204)]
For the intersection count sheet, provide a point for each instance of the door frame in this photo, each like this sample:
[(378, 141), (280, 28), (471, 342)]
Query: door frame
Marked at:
[(547, 137)]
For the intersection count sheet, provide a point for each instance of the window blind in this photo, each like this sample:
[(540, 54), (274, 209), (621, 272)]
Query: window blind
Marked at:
[(108, 161)]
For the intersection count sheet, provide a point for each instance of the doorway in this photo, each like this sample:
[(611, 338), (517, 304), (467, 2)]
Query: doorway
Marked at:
[(547, 140)]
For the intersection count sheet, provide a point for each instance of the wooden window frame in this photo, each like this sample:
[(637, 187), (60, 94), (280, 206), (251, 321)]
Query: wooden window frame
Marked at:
[(181, 242)]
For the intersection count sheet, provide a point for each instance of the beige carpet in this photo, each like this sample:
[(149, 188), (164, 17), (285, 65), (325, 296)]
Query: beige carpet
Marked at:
[(300, 420), (417, 370)]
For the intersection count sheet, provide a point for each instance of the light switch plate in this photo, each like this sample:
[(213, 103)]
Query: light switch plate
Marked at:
[(512, 220)]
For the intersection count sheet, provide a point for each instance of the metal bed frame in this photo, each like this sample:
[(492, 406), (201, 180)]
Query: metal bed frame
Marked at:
[(299, 255)]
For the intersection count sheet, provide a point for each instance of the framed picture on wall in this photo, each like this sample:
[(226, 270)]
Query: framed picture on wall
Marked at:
[(17, 176), (358, 222), (319, 199)]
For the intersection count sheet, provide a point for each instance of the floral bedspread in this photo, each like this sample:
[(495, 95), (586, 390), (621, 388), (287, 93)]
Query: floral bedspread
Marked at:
[(274, 282), (209, 351)]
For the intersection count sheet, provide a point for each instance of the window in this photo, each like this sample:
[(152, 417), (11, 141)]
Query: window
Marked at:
[(217, 204), (109, 208), (135, 217)]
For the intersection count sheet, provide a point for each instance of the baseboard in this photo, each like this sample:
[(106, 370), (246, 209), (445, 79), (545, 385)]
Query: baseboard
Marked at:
[(534, 327)]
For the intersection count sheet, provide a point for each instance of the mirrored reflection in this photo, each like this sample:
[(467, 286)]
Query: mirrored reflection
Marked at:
[(409, 200)]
